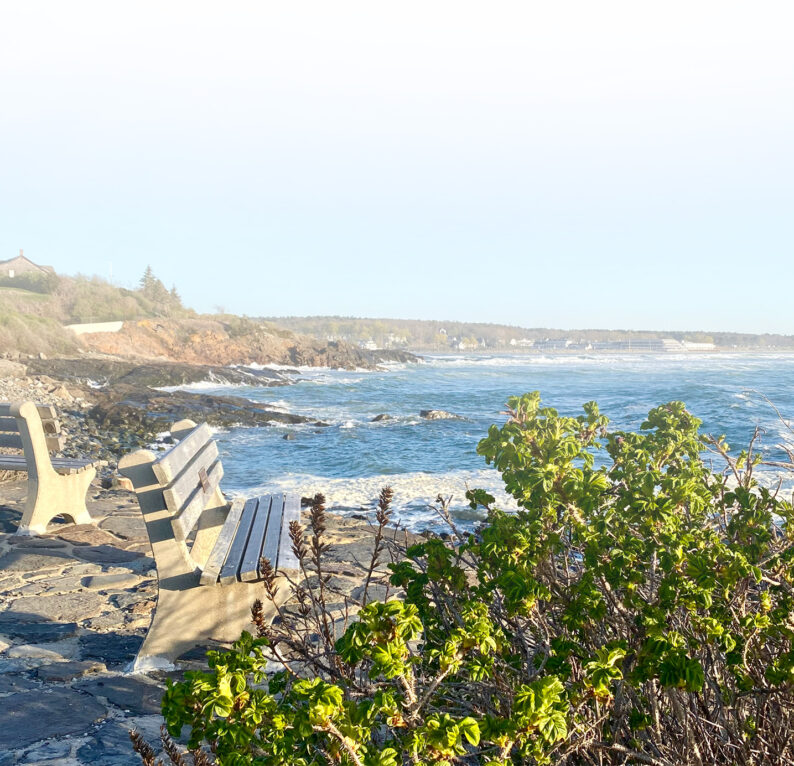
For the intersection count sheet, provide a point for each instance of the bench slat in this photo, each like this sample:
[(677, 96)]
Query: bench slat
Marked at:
[(185, 484), (196, 503), (9, 424), (232, 564), (270, 547), (217, 557), (292, 512), (249, 567), (173, 463)]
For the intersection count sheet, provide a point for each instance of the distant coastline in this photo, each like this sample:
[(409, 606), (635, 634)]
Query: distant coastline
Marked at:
[(434, 336)]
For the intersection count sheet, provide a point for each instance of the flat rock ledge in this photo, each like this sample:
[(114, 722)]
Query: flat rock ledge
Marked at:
[(74, 607)]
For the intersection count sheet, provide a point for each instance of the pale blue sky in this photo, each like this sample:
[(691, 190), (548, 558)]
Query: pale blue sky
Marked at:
[(566, 164)]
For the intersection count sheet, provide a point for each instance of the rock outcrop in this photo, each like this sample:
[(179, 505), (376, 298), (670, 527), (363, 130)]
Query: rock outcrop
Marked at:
[(439, 415), (232, 340)]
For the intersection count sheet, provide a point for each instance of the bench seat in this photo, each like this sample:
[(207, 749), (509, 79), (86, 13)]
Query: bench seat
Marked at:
[(254, 529), (62, 465), (207, 550)]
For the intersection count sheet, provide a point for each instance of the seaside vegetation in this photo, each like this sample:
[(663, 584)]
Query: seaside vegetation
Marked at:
[(35, 306), (638, 608)]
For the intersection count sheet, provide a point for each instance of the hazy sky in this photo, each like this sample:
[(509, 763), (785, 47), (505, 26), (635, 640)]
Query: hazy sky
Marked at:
[(567, 164)]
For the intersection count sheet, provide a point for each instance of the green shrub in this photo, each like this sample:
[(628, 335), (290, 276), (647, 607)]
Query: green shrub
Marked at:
[(35, 281), (636, 609)]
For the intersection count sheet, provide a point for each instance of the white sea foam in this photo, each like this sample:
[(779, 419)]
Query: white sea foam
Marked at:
[(202, 385), (634, 360), (414, 493), (279, 404)]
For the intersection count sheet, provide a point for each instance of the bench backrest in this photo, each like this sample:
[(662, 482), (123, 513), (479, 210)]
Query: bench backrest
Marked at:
[(179, 494), (190, 473), (10, 426)]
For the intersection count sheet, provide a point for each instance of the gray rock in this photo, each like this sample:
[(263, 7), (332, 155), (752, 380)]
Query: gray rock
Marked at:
[(110, 745), (33, 716), (111, 581), (87, 534), (334, 584), (67, 607), (110, 648), (10, 369), (20, 560), (12, 666), (125, 527), (35, 542), (375, 592), (105, 554), (123, 600), (48, 751), (439, 415), (61, 650), (37, 632), (60, 672), (381, 417), (125, 692), (11, 683)]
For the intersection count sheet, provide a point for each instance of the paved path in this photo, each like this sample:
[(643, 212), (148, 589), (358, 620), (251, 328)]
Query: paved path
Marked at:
[(74, 607)]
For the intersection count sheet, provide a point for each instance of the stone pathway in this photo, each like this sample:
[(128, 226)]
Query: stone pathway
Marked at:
[(74, 607)]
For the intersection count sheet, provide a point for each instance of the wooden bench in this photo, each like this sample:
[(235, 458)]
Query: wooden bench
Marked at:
[(207, 550), (56, 486)]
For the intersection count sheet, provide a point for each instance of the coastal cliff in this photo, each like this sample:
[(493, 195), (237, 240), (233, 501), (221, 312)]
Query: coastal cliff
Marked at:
[(226, 340)]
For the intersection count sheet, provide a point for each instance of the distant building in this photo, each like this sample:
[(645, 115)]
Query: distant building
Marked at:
[(13, 267)]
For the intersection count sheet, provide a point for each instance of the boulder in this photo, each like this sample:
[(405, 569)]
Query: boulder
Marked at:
[(439, 415), (10, 369), (379, 418)]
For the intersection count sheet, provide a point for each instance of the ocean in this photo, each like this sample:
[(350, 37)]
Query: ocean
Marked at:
[(352, 458)]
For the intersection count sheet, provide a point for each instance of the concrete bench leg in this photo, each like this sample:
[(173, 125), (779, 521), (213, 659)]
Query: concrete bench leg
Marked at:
[(51, 495), (188, 615)]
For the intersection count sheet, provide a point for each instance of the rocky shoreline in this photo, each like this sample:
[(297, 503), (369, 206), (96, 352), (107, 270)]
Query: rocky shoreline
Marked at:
[(75, 603), (110, 406)]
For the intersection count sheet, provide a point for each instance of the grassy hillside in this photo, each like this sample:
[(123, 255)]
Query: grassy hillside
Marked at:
[(33, 310)]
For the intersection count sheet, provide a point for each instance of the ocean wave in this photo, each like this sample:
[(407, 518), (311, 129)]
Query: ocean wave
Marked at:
[(635, 360), (202, 385), (414, 493)]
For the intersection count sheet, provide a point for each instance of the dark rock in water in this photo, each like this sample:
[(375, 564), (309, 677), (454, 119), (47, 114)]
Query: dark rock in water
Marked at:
[(381, 417), (111, 372), (138, 413), (439, 415), (290, 437), (28, 716)]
